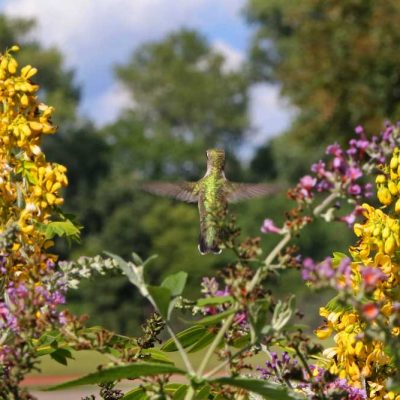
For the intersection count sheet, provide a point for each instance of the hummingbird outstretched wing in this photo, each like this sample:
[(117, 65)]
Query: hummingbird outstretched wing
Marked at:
[(243, 191), (184, 191)]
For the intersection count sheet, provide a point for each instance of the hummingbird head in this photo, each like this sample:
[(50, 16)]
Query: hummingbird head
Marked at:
[(215, 159)]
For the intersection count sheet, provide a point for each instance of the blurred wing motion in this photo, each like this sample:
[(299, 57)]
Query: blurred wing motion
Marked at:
[(243, 191), (184, 191)]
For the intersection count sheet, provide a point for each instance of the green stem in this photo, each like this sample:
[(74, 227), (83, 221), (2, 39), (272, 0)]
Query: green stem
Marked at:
[(325, 204), (225, 326), (181, 351), (226, 362), (190, 393)]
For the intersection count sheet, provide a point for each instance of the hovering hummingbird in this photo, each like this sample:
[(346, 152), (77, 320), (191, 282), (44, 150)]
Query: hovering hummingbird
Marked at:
[(213, 192)]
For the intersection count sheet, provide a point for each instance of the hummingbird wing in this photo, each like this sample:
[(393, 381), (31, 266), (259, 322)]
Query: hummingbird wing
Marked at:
[(243, 191), (184, 191)]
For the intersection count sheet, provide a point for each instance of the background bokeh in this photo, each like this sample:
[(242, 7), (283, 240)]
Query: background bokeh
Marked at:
[(142, 88)]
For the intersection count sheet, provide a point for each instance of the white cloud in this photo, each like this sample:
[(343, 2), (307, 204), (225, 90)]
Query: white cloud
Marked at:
[(233, 57), (107, 107), (269, 114)]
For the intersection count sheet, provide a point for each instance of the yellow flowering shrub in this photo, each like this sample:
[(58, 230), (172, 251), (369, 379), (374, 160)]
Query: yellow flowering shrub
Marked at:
[(360, 354), (30, 186)]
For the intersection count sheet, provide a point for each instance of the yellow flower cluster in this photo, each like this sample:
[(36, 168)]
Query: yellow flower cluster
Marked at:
[(29, 185), (388, 183), (357, 356)]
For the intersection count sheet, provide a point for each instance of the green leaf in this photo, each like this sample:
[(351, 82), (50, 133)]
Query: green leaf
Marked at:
[(203, 393), (149, 260), (337, 304), (180, 393), (125, 268), (263, 388), (338, 257), (60, 228), (61, 356), (161, 297), (157, 356), (135, 394), (130, 371), (214, 319), (258, 317), (206, 339), (139, 393), (210, 301), (186, 337), (175, 283)]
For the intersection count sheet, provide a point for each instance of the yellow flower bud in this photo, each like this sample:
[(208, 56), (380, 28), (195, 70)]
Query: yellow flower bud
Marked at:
[(323, 332), (390, 245), (27, 71), (35, 126), (397, 206), (392, 188), (394, 162), (385, 232), (376, 231), (384, 196), (50, 198), (24, 100), (12, 66), (380, 179)]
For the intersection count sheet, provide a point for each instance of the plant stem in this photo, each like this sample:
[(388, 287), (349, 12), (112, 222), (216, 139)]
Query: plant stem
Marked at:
[(319, 209), (181, 350), (225, 362), (178, 344), (190, 393), (226, 325)]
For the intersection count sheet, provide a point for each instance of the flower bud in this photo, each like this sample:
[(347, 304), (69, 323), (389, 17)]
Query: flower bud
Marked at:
[(397, 206), (384, 196), (380, 179), (390, 245), (392, 188)]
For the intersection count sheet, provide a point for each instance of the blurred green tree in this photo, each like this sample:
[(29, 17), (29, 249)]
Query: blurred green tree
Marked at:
[(184, 101), (335, 61)]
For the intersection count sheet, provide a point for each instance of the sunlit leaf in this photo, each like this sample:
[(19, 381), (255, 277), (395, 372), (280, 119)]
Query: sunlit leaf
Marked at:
[(175, 283), (131, 371), (186, 338)]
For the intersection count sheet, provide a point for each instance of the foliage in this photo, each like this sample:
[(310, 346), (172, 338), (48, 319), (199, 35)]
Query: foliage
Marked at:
[(335, 63)]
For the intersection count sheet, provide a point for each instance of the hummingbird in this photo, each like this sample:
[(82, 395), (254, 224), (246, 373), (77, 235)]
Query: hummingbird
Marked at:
[(212, 193)]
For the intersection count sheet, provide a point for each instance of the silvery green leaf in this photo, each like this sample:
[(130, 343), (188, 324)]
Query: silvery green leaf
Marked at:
[(282, 313)]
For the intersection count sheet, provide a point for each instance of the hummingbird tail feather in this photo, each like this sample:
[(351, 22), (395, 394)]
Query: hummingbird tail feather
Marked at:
[(204, 248)]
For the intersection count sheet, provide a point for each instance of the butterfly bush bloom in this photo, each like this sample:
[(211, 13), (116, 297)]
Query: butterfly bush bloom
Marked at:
[(30, 189)]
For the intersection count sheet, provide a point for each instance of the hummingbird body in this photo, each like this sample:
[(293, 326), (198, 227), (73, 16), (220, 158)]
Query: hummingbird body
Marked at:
[(212, 202), (213, 192)]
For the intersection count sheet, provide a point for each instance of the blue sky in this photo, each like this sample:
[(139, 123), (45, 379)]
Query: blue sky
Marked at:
[(95, 35)]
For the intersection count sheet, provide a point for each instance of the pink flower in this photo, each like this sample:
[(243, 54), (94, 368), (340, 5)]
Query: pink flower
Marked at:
[(359, 129), (268, 226)]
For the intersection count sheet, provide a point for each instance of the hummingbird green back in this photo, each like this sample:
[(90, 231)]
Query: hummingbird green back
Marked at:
[(213, 192), (212, 203)]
